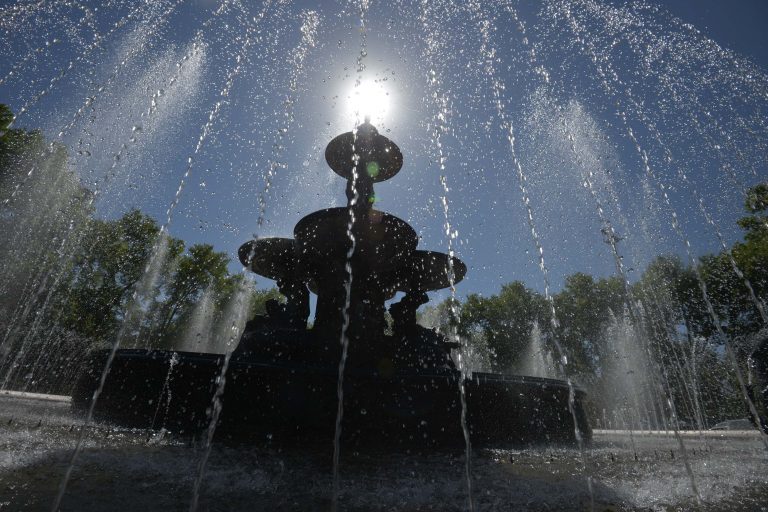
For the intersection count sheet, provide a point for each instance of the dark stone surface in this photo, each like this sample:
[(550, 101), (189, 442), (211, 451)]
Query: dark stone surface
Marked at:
[(289, 401)]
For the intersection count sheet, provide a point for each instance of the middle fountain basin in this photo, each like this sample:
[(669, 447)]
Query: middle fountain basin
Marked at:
[(382, 241)]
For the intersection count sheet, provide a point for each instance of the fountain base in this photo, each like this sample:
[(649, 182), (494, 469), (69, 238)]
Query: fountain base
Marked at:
[(287, 401)]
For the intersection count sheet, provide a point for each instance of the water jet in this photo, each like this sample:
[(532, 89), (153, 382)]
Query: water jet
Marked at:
[(575, 175)]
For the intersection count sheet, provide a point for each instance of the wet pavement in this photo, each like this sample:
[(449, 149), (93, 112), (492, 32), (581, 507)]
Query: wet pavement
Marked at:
[(121, 469)]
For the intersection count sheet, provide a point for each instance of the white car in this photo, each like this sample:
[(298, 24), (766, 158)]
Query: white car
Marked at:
[(740, 424)]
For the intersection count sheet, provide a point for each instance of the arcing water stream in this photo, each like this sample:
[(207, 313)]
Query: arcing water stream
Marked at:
[(600, 136)]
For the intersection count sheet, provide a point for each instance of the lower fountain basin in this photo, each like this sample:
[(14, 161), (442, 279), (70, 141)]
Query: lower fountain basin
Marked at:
[(289, 402)]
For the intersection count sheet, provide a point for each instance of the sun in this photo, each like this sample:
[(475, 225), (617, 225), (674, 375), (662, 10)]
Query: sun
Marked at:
[(368, 99)]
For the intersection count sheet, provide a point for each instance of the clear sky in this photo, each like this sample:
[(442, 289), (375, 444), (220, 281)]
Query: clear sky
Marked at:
[(737, 25), (623, 80)]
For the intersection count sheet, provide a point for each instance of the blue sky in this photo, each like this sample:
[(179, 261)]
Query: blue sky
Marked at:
[(737, 25), (696, 110)]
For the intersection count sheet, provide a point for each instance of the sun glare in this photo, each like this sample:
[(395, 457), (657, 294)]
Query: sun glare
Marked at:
[(369, 99)]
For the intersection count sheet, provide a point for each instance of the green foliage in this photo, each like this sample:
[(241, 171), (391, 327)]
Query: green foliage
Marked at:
[(43, 209), (72, 281), (504, 321), (259, 300), (6, 117), (584, 307), (682, 338), (200, 269), (21, 150), (105, 272)]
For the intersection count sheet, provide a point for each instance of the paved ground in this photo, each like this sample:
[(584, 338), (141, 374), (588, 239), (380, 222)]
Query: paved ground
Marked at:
[(137, 470)]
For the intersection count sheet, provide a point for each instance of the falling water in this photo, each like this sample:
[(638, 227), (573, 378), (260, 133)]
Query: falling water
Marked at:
[(706, 122), (146, 289), (604, 81), (221, 380), (691, 50), (441, 127), (639, 111), (213, 114), (234, 316), (626, 372), (507, 126), (586, 165), (577, 33), (308, 30), (344, 337), (536, 361), (47, 279), (32, 53), (165, 392), (580, 146), (78, 60), (198, 336)]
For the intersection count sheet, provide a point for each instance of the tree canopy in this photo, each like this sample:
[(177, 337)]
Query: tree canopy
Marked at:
[(72, 281)]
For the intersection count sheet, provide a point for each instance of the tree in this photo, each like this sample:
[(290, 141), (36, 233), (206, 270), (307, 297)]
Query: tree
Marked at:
[(43, 209), (751, 256), (112, 259), (199, 270), (70, 281), (43, 212), (16, 147), (756, 204), (584, 307), (504, 321)]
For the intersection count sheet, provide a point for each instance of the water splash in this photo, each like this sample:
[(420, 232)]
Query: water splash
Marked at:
[(605, 81), (536, 360), (48, 278), (508, 128), (344, 336)]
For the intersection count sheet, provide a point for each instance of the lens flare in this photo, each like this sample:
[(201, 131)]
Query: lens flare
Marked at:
[(373, 169)]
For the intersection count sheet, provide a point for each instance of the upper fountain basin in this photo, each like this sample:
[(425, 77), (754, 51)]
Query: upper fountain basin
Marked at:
[(375, 154)]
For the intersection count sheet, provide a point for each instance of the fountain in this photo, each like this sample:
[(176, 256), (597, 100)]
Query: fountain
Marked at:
[(590, 335), (281, 380)]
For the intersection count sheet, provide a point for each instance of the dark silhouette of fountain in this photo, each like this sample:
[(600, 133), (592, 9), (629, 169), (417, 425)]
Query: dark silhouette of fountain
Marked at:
[(400, 383), (372, 252)]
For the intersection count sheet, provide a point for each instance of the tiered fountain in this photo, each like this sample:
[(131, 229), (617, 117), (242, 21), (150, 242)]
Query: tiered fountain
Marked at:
[(281, 380)]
